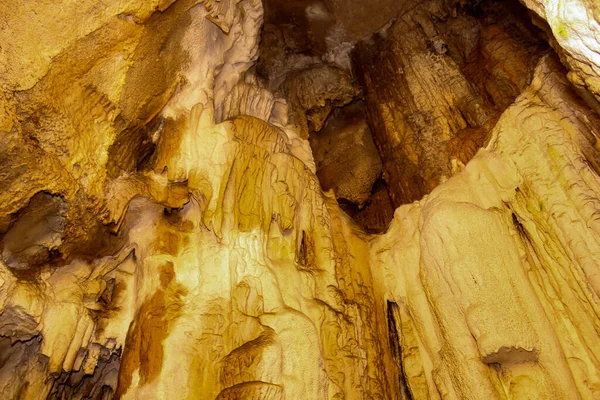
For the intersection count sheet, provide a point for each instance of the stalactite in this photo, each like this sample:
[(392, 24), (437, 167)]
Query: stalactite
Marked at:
[(303, 200)]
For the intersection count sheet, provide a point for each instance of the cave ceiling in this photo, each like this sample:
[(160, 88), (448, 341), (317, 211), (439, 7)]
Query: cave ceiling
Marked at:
[(328, 24)]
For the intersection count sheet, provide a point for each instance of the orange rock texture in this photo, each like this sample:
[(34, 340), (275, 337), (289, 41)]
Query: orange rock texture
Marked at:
[(205, 199)]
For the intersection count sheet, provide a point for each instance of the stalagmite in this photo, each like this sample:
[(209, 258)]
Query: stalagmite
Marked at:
[(236, 199)]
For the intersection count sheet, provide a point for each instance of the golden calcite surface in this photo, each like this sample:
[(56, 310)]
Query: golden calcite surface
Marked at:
[(164, 233), (574, 31)]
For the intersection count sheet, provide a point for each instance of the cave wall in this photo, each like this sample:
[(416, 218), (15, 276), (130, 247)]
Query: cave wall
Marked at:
[(164, 233), (498, 294), (573, 29), (435, 83)]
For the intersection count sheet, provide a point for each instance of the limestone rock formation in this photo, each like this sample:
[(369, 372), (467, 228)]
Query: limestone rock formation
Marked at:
[(493, 275), (171, 214), (345, 156), (452, 78), (574, 31)]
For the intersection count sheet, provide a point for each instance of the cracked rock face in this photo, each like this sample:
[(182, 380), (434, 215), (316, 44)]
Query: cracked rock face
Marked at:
[(207, 200)]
